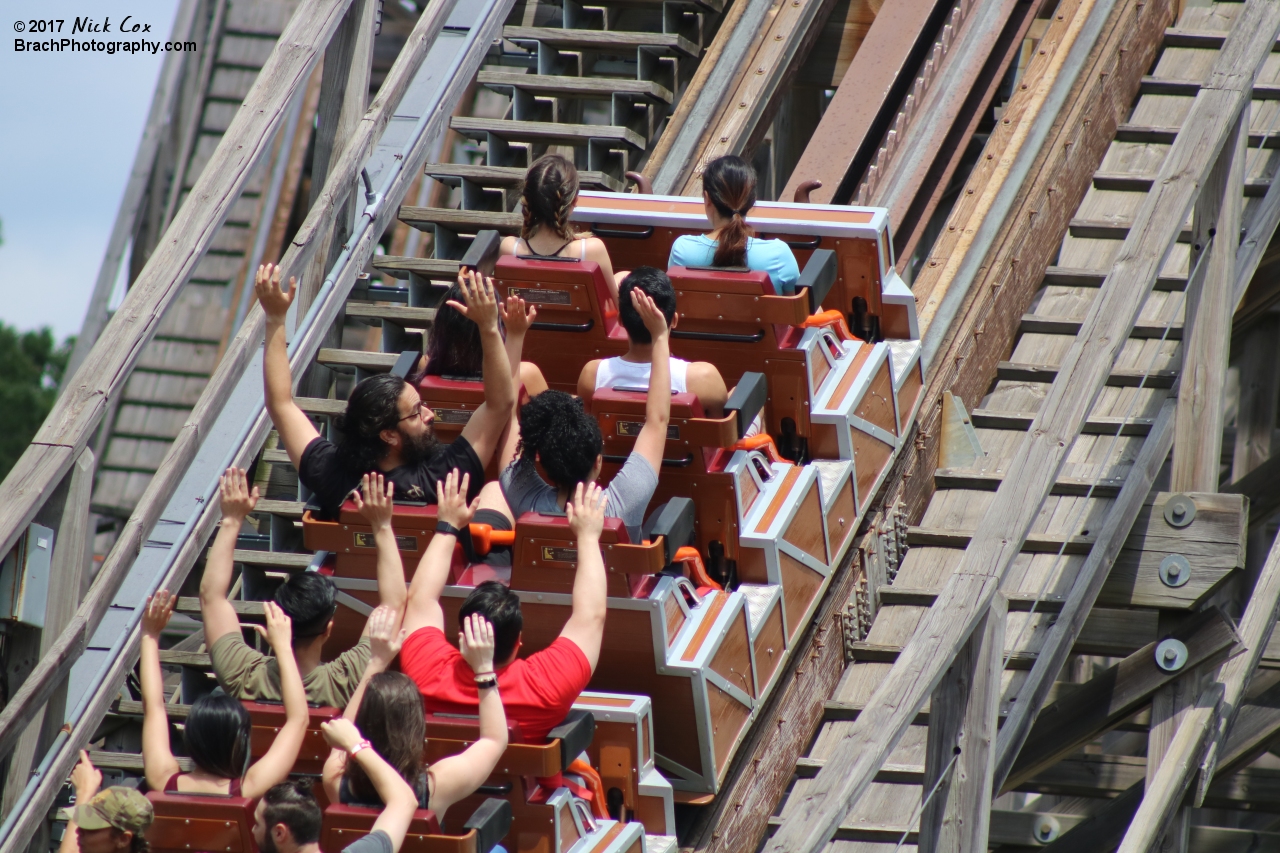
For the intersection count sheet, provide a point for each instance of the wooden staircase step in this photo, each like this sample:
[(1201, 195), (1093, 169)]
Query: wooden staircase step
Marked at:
[(1120, 378), (1152, 134), (1036, 543), (432, 269), (588, 88), (1042, 325), (1106, 229), (319, 406), (513, 176), (546, 132), (1152, 85), (601, 41), (462, 221), (1077, 277), (1127, 182), (986, 481), (414, 318), (1095, 425), (286, 509), (377, 362), (1203, 39)]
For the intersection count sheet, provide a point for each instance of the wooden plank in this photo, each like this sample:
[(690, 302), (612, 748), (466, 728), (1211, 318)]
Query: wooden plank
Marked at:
[(551, 86), (1152, 85), (1120, 378), (1259, 487), (513, 176), (1038, 324), (1084, 592), (434, 269), (1160, 135), (1035, 543), (1141, 183), (375, 361), (986, 481), (320, 406), (1197, 436), (414, 318), (1075, 277), (601, 41), (959, 754), (546, 132), (1202, 39), (1093, 425), (1106, 699), (464, 221), (1103, 829)]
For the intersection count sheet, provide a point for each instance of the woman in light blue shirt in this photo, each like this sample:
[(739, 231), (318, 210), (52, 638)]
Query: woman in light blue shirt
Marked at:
[(729, 191)]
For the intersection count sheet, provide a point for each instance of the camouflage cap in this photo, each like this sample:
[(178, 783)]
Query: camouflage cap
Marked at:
[(118, 807)]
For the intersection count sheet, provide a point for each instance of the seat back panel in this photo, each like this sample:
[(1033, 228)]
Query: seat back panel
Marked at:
[(184, 822)]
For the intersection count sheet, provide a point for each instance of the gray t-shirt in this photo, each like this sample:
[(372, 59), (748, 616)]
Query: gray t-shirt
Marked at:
[(375, 842), (629, 492)]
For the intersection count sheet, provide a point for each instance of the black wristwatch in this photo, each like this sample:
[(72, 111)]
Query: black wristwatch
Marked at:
[(487, 683), (446, 527)]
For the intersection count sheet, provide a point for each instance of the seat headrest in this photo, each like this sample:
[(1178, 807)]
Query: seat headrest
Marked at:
[(723, 280)]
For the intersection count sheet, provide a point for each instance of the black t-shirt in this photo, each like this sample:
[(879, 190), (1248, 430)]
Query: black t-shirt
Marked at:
[(323, 472)]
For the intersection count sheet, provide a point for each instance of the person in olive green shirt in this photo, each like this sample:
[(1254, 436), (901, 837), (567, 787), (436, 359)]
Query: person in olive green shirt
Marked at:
[(310, 600)]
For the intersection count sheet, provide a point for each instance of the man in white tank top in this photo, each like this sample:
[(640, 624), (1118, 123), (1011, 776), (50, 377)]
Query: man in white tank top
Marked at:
[(632, 370)]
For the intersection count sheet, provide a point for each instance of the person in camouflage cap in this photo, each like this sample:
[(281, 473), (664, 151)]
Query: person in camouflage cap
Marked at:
[(112, 821)]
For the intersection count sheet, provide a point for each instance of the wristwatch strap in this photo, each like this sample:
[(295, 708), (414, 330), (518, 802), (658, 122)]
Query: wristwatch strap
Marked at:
[(447, 528), (484, 684)]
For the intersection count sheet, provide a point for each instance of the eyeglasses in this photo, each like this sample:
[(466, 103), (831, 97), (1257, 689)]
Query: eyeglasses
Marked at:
[(418, 407)]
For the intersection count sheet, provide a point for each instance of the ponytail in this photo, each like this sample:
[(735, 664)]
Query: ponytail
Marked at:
[(730, 183)]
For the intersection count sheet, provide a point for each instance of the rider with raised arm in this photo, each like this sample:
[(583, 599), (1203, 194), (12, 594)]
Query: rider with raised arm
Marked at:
[(308, 598), (537, 691), (386, 427)]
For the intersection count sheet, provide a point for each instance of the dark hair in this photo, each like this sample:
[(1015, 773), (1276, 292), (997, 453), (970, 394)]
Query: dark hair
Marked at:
[(495, 602), (391, 717), (293, 804), (550, 189), (310, 599), (556, 430), (453, 347), (216, 735), (731, 183), (655, 283), (372, 407)]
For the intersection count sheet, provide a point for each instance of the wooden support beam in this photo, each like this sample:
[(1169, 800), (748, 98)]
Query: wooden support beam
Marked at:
[(67, 513), (1197, 434), (959, 755), (1105, 700), (1084, 592)]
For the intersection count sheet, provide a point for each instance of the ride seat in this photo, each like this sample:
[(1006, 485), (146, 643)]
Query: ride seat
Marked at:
[(572, 326), (267, 718), (344, 824), (545, 557), (201, 821)]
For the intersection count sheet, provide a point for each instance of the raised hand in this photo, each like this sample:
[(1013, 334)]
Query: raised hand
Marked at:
[(341, 733), (275, 302), (237, 499), (649, 312), (376, 505), (586, 511), (385, 635), (517, 316), (156, 613), (85, 778), (279, 630), (475, 641), (451, 497), (480, 297)]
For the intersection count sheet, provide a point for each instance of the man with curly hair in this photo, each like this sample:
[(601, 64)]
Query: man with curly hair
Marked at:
[(386, 426)]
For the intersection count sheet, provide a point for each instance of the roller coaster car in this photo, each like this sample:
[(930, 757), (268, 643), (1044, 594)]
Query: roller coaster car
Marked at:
[(702, 658), (573, 326), (640, 229), (487, 826), (547, 817), (184, 822), (267, 718)]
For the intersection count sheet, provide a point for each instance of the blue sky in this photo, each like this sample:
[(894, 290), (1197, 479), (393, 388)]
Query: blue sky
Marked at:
[(69, 127)]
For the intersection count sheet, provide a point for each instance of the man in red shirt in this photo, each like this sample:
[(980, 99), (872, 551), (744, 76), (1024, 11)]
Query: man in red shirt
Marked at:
[(539, 690)]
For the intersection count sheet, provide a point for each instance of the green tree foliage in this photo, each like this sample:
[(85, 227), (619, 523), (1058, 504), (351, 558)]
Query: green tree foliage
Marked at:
[(31, 365)]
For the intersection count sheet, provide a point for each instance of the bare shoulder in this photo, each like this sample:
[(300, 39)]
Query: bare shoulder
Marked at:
[(704, 370), (508, 245)]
